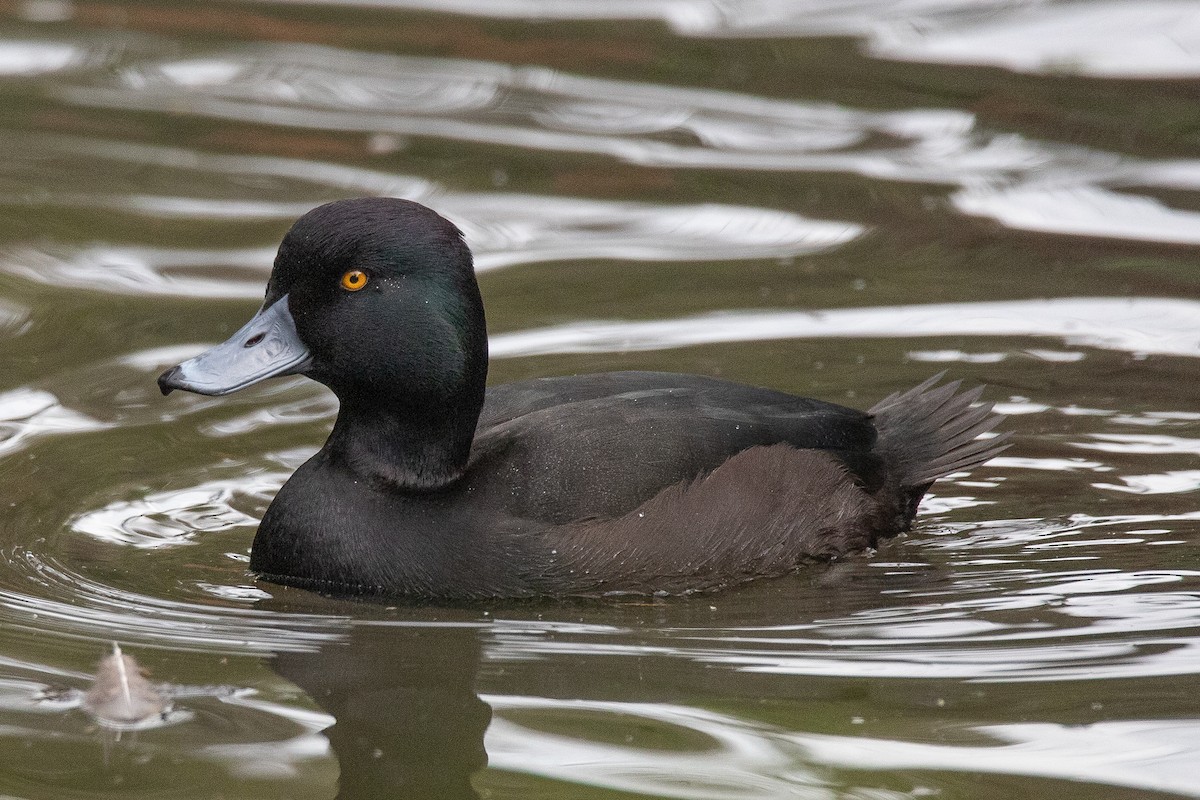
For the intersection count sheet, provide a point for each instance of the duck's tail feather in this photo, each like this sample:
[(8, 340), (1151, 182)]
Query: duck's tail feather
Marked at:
[(931, 431)]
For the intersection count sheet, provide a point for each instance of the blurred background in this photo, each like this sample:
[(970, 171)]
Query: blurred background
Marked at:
[(837, 198)]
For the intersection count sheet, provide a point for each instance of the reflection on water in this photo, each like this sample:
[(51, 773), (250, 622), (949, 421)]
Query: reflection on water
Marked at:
[(29, 58), (409, 722), (485, 102), (1142, 754), (1020, 183), (1155, 39), (1185, 480), (172, 518), (813, 195), (503, 228), (729, 764), (27, 413), (1140, 326), (133, 270), (699, 754), (1141, 443), (402, 714), (1083, 211), (1159, 38)]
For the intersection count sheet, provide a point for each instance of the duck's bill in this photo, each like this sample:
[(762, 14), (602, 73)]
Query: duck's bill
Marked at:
[(266, 346)]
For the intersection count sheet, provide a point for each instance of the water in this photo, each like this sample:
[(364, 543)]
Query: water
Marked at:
[(834, 198)]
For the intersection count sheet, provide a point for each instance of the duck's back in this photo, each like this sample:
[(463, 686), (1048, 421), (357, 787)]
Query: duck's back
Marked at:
[(561, 449), (651, 482)]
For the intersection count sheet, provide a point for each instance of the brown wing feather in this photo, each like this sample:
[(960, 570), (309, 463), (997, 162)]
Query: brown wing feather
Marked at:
[(762, 513)]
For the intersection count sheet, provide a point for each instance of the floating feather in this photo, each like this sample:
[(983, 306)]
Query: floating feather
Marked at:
[(121, 696)]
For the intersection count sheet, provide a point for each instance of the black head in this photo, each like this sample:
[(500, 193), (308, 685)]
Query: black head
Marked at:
[(375, 298), (413, 333)]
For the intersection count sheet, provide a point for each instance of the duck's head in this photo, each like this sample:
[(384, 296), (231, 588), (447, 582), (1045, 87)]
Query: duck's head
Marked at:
[(375, 298)]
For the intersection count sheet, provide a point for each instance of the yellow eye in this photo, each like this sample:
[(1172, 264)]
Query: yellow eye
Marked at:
[(354, 280)]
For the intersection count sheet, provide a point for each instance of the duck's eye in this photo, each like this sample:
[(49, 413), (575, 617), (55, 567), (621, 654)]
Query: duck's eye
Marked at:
[(354, 280)]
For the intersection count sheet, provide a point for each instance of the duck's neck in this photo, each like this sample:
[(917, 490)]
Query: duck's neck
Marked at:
[(411, 396), (404, 448)]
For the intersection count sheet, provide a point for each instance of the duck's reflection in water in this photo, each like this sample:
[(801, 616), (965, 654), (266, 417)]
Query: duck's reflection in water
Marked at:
[(409, 723)]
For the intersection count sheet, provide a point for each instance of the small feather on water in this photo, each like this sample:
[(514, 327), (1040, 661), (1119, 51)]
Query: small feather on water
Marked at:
[(121, 695)]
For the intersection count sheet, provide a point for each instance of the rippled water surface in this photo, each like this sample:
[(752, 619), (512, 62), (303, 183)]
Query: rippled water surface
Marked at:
[(834, 198)]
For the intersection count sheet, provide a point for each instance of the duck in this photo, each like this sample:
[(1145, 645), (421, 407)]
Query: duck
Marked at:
[(434, 486)]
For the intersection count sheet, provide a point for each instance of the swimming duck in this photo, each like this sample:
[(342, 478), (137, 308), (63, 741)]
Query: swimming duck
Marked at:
[(433, 486)]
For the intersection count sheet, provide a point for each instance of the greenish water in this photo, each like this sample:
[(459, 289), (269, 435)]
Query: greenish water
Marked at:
[(837, 199)]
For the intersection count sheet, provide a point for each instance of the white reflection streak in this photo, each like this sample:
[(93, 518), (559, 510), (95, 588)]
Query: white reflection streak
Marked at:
[(1144, 39), (542, 109), (1101, 650), (237, 167), (1048, 464), (28, 413), (1020, 183), (556, 229), (273, 760), (1173, 482), (12, 316), (742, 758), (1140, 326), (141, 270), (954, 639), (503, 229), (1152, 755), (323, 406), (34, 58), (171, 518), (912, 163), (1081, 211), (1149, 444), (97, 611)]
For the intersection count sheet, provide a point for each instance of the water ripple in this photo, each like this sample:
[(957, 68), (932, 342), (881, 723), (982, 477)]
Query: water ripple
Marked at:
[(1109, 632), (1147, 39), (1151, 755), (14, 318), (534, 108), (27, 413), (1020, 183), (72, 605), (729, 758), (31, 58), (1147, 444), (504, 229), (1140, 326), (722, 757), (1082, 211), (564, 229), (178, 516), (141, 270), (1171, 482)]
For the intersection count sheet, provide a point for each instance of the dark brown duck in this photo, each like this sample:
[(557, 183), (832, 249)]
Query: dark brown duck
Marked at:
[(433, 486)]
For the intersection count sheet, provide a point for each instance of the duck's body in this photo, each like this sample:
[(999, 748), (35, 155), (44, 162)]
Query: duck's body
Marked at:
[(630, 482)]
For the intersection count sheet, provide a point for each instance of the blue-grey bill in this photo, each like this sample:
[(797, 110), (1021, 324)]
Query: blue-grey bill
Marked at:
[(266, 346)]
